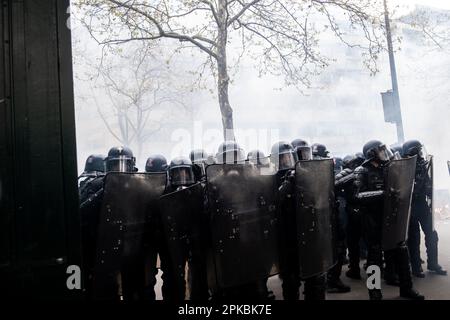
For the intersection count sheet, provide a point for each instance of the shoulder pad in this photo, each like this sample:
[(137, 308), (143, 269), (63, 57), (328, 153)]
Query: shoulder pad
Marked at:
[(361, 170), (344, 172)]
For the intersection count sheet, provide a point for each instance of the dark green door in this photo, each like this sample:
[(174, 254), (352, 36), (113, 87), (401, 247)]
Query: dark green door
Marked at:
[(39, 224)]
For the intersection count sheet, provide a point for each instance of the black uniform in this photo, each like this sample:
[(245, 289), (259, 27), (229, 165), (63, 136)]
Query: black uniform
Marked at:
[(344, 184), (191, 252), (93, 169), (344, 188), (284, 156), (229, 152), (334, 283), (91, 195), (369, 193), (314, 286), (422, 217), (120, 159)]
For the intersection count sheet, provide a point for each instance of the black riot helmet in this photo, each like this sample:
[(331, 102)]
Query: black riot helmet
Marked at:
[(200, 159), (180, 172), (348, 160), (95, 163), (283, 156), (156, 163), (320, 151), (120, 159), (397, 152), (414, 148), (198, 155), (299, 143), (378, 151), (338, 164), (352, 161), (302, 148), (230, 152), (257, 157)]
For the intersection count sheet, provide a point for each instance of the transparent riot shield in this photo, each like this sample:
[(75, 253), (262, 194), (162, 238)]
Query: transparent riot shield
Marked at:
[(243, 225), (430, 194), (128, 201), (314, 198), (181, 213), (399, 181)]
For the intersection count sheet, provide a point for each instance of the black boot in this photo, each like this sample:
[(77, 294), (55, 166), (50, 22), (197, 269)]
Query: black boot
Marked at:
[(432, 252), (390, 271), (337, 286), (411, 294), (375, 294), (290, 285), (315, 288), (391, 279), (354, 273), (418, 272), (437, 269)]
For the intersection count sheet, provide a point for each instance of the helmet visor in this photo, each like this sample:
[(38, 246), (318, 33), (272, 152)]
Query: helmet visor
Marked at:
[(304, 153), (120, 164), (384, 153), (286, 160), (423, 153), (202, 165), (182, 176)]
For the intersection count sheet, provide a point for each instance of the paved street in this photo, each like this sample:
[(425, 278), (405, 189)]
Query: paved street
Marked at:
[(434, 287)]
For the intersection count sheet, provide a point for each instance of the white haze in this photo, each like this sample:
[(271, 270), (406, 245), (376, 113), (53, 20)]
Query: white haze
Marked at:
[(344, 113)]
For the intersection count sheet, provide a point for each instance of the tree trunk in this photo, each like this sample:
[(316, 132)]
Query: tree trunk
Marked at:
[(222, 71)]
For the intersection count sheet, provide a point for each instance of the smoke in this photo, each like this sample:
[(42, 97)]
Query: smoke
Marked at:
[(342, 110)]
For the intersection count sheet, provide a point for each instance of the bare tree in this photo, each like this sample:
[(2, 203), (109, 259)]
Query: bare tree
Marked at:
[(136, 85), (281, 36), (432, 25)]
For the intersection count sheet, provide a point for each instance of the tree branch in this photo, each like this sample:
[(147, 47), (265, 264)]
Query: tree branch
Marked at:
[(241, 12)]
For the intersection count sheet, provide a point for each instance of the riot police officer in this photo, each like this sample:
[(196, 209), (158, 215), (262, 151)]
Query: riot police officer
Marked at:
[(157, 164), (421, 211), (184, 224), (228, 205), (319, 151), (369, 192), (390, 270), (259, 159), (334, 282), (338, 166), (344, 184), (90, 194), (284, 157), (119, 159), (180, 176), (88, 180), (94, 166)]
